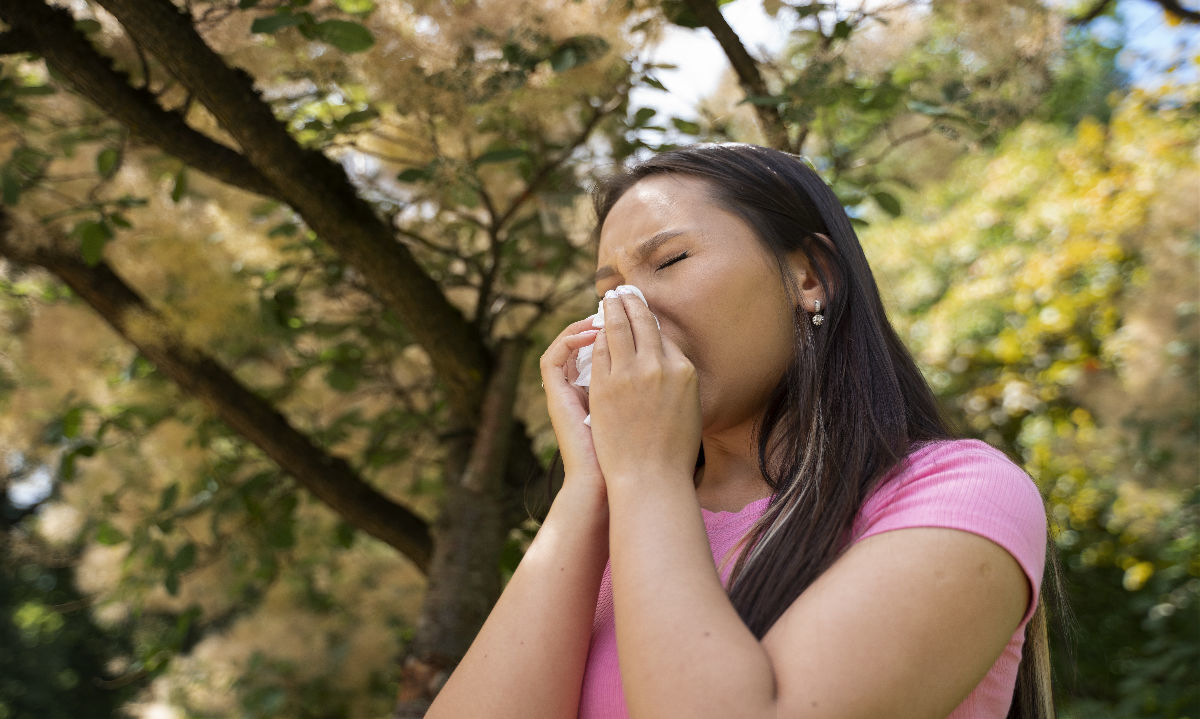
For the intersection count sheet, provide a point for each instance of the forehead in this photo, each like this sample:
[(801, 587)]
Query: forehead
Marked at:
[(654, 204)]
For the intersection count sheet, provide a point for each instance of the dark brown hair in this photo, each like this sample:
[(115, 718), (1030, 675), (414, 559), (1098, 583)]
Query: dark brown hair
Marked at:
[(851, 405)]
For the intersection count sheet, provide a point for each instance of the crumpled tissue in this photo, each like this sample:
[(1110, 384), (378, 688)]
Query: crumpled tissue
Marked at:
[(583, 360)]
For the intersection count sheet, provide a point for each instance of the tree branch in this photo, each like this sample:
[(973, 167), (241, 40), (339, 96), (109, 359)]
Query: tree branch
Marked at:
[(50, 32), (329, 478), (318, 189), (746, 68), (457, 355), (547, 169)]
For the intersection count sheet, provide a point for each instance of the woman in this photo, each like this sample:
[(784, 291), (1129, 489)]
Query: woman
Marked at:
[(766, 516)]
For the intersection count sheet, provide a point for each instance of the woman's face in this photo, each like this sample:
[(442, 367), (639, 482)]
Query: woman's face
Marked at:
[(714, 287)]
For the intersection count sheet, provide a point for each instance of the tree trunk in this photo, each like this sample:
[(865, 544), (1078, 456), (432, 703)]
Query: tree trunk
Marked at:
[(469, 536)]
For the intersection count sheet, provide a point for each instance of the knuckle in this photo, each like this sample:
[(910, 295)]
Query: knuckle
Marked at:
[(652, 373)]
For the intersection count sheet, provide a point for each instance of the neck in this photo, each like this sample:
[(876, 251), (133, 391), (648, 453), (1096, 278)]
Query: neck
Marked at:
[(730, 478)]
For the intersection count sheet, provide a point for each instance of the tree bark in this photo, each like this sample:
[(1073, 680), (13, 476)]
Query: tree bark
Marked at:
[(464, 578), (329, 478), (746, 68)]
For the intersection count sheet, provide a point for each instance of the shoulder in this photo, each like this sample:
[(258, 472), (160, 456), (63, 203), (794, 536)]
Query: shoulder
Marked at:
[(951, 476), (962, 484)]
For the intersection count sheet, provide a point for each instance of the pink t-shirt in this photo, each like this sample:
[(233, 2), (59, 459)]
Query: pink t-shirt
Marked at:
[(956, 484)]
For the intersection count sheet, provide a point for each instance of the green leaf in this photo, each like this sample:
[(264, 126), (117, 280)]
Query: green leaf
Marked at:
[(284, 229), (343, 379), (72, 421), (842, 30), (564, 58), (180, 188), (888, 202), (345, 35), (503, 154), (184, 558), (804, 11), (358, 116), (170, 495), (414, 174), (643, 116), (685, 126), (274, 23), (109, 535), (120, 220), (93, 236), (66, 467), (171, 582), (106, 161), (654, 83)]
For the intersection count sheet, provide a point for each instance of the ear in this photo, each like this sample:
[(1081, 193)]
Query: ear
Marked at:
[(806, 278)]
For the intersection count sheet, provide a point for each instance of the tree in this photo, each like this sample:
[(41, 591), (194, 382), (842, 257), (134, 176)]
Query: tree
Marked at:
[(318, 241)]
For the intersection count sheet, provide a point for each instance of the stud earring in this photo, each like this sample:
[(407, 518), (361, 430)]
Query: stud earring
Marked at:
[(817, 319)]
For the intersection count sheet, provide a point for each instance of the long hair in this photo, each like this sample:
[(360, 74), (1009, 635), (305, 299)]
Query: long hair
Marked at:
[(852, 403)]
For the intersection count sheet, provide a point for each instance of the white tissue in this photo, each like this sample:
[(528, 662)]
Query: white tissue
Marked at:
[(583, 361)]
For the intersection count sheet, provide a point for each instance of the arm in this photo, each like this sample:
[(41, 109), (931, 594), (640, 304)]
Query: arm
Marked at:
[(904, 624), (528, 659)]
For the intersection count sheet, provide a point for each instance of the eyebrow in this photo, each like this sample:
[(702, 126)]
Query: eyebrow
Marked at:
[(644, 250)]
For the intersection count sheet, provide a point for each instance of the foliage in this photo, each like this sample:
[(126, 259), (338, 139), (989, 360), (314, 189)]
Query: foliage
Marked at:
[(1049, 291), (884, 98), (1032, 284), (57, 662)]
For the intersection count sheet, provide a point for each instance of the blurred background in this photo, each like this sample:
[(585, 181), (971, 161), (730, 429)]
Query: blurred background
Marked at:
[(275, 274)]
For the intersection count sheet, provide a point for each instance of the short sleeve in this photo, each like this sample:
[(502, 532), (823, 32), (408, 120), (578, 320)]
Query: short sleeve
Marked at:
[(968, 485)]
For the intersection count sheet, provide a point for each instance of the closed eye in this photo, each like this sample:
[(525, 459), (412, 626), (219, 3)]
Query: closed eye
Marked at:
[(673, 260)]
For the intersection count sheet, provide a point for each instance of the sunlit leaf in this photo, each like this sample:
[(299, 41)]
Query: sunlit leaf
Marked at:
[(108, 534)]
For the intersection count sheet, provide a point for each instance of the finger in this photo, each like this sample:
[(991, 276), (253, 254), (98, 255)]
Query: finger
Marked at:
[(646, 336), (576, 327), (617, 331), (601, 358), (560, 351)]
